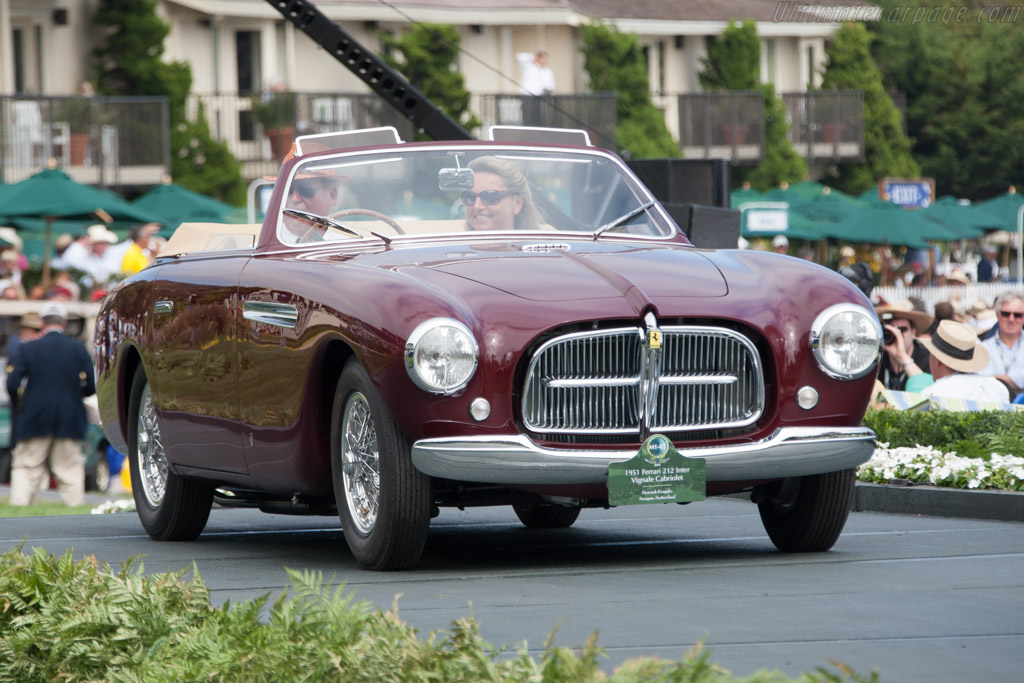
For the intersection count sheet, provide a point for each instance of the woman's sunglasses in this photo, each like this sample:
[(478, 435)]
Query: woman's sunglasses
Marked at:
[(488, 197), (1011, 314)]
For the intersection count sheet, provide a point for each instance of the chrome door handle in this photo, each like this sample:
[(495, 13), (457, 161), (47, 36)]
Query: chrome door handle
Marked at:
[(271, 313)]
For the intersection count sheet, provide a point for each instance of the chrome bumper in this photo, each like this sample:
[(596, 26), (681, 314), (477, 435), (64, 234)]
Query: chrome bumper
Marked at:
[(788, 452)]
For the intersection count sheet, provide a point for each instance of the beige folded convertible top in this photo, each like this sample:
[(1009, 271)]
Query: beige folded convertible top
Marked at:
[(193, 237)]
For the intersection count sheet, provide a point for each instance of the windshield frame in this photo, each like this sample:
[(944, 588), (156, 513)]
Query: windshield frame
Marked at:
[(341, 158)]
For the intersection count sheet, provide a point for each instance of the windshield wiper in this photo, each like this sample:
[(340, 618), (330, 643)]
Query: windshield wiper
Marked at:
[(618, 222), (317, 219)]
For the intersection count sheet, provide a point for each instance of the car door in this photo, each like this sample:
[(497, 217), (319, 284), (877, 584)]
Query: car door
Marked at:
[(194, 370)]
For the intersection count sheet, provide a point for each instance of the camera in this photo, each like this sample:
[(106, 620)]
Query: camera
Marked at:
[(887, 336)]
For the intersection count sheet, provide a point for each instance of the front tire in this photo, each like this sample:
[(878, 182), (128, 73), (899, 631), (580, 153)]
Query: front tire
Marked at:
[(546, 516), (384, 502), (170, 507), (807, 514)]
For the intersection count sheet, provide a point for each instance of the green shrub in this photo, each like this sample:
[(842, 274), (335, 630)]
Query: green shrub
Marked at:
[(67, 620), (970, 434)]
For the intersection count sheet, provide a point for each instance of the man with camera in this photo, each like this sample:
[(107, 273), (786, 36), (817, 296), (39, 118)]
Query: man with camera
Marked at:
[(905, 355)]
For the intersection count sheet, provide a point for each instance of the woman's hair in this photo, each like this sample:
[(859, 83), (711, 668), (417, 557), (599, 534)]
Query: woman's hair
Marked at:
[(528, 218), (944, 310)]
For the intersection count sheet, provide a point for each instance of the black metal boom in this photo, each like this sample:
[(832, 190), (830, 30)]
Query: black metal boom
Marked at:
[(384, 80)]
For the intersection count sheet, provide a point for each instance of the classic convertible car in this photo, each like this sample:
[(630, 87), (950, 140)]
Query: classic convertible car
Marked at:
[(497, 322)]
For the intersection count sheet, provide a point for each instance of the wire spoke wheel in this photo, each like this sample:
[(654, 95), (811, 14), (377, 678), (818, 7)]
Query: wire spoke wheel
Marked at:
[(170, 506), (360, 463), (383, 501), (152, 461)]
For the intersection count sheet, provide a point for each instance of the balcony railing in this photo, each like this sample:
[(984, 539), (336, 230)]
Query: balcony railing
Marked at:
[(715, 125), (107, 141), (827, 125), (593, 112), (231, 120), (824, 125)]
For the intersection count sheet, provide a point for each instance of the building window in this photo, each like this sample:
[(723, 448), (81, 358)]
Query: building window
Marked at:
[(770, 57), (247, 61), (18, 47), (811, 67)]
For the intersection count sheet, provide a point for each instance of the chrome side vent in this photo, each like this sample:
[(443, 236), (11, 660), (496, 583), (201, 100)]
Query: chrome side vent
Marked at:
[(546, 246)]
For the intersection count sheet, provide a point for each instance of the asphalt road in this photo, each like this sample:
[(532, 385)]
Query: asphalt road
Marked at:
[(918, 598)]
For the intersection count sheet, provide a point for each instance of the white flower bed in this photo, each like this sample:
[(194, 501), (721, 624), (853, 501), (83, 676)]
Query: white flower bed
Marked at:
[(926, 465), (119, 505)]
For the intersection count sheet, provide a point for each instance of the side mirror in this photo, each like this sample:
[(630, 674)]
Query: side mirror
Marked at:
[(455, 179)]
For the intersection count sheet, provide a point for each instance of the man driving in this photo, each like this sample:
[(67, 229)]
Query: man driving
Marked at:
[(313, 190), (313, 194)]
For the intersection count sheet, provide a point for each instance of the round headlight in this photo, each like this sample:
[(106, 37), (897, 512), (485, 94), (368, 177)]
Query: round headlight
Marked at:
[(847, 341), (441, 355)]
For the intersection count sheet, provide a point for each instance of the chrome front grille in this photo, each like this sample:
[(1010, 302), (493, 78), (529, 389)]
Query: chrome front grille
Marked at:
[(595, 382)]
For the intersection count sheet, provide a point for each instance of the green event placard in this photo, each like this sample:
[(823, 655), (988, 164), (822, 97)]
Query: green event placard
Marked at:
[(657, 474)]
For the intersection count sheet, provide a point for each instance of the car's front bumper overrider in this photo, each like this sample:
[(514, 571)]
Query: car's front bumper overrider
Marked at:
[(788, 452)]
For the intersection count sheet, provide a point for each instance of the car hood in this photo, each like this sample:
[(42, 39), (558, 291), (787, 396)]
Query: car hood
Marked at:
[(567, 270)]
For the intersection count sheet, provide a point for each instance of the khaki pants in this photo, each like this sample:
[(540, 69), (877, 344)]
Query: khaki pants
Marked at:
[(28, 469)]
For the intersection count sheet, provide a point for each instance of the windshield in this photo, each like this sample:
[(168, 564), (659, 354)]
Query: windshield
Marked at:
[(395, 192)]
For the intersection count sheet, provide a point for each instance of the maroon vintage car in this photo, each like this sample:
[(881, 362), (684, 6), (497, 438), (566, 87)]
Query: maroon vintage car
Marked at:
[(479, 323)]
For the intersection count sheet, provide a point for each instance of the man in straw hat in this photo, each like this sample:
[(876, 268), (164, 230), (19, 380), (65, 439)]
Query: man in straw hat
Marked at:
[(956, 358), (315, 191), (905, 355)]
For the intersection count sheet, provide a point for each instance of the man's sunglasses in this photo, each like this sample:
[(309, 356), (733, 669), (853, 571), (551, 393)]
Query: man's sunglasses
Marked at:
[(488, 197), (902, 329), (305, 190), (1011, 314)]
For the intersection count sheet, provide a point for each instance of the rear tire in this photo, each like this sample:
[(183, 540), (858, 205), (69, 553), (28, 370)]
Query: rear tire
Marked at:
[(384, 502), (170, 507), (807, 514), (546, 516)]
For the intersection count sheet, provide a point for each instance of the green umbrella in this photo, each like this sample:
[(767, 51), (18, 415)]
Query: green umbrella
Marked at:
[(1004, 207), (831, 207), (743, 195), (52, 194), (177, 204), (968, 220), (886, 223), (870, 195)]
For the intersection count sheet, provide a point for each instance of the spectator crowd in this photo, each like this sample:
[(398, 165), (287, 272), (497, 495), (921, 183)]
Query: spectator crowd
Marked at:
[(47, 373)]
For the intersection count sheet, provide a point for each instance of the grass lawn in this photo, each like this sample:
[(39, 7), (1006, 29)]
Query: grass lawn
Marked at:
[(42, 508)]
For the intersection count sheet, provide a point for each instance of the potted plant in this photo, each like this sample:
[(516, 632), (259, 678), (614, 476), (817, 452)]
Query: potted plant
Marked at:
[(77, 111), (275, 112), (827, 116)]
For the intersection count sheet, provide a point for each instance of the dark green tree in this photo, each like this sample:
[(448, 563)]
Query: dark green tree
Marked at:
[(887, 150), (733, 60), (781, 161), (615, 63), (427, 55), (733, 63), (128, 62), (964, 82)]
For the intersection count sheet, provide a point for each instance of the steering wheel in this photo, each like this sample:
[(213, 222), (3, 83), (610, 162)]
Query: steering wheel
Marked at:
[(306, 237), (373, 214)]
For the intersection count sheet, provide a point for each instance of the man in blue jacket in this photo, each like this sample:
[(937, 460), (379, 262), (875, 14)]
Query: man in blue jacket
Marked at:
[(47, 380)]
